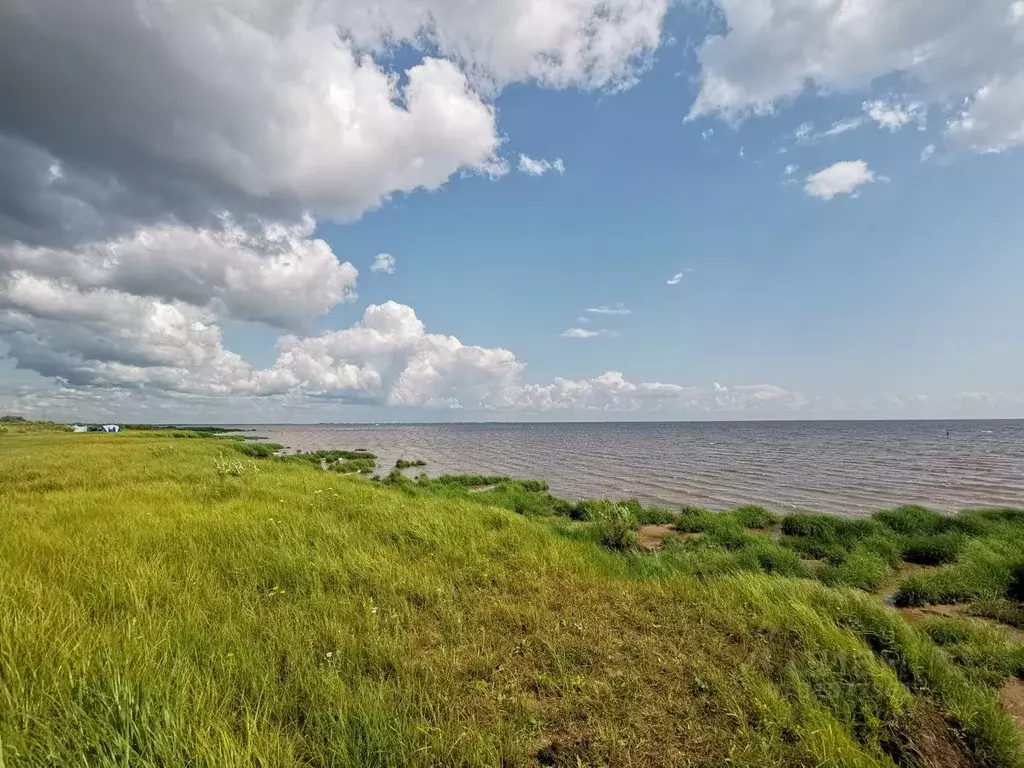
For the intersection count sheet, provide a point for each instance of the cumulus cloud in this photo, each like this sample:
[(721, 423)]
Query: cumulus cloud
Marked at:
[(790, 169), (211, 113), (927, 152), (383, 262), (164, 173), (279, 275), (103, 341), (532, 167), (842, 178), (675, 279), (618, 309), (258, 108), (773, 50)]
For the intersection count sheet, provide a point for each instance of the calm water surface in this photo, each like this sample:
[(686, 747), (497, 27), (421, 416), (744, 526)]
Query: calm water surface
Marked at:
[(844, 467)]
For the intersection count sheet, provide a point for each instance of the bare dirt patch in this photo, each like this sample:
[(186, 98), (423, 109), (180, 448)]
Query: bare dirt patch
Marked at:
[(932, 741), (913, 614), (652, 536), (1011, 696)]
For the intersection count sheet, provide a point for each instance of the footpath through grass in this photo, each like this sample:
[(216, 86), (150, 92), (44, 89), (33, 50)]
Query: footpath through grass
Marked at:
[(169, 602)]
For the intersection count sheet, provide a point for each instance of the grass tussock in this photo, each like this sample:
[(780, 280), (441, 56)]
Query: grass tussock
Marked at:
[(409, 463), (155, 610)]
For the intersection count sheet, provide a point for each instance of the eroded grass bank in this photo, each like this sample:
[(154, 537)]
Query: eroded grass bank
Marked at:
[(174, 602)]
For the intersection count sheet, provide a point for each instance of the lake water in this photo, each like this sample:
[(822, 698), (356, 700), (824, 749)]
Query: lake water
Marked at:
[(843, 467)]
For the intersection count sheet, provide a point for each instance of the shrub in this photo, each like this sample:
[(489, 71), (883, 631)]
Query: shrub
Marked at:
[(534, 486), (769, 557), (616, 527), (818, 526), (935, 549), (397, 479), (1015, 587), (833, 539), (984, 652), (861, 569), (726, 533), (913, 520), (814, 548), (980, 574), (655, 516), (257, 450), (354, 466), (753, 516), (694, 520), (406, 464), (886, 546)]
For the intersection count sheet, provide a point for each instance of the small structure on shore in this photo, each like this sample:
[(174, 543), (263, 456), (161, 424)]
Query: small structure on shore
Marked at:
[(95, 428)]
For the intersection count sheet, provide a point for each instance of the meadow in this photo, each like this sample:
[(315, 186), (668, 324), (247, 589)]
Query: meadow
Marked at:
[(169, 601)]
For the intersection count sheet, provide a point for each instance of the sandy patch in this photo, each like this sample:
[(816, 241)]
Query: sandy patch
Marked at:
[(1011, 696), (652, 536)]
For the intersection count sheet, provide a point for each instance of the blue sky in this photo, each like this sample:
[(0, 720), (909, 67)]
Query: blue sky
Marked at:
[(890, 292)]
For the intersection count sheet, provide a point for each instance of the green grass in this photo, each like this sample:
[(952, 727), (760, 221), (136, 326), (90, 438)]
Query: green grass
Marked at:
[(988, 567), (258, 450), (1005, 612), (753, 516), (158, 611), (407, 463), (986, 654)]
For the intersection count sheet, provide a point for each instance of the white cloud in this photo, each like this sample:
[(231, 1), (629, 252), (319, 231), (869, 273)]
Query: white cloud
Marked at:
[(582, 333), (707, 134), (532, 167), (611, 391), (893, 115), (927, 152), (844, 126), (790, 169), (109, 338), (675, 279), (279, 275), (179, 189), (774, 50), (104, 346), (842, 178), (383, 262), (993, 120), (272, 109), (618, 309)]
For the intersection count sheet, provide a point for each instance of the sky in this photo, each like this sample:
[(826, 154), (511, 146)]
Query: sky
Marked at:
[(538, 210)]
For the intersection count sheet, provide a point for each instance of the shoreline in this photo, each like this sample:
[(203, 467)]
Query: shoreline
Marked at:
[(718, 483)]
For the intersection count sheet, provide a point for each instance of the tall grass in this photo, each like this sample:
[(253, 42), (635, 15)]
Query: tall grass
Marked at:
[(157, 612)]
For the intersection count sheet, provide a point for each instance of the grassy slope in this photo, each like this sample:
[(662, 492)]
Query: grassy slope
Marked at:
[(155, 611)]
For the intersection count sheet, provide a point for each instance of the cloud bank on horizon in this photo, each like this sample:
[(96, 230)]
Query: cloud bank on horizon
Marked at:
[(169, 172)]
